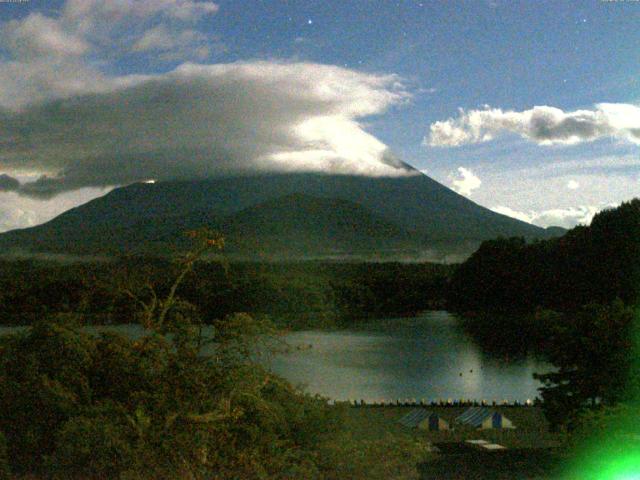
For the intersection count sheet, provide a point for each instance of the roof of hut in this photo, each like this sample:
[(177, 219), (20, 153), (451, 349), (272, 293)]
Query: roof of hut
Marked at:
[(415, 417), (475, 416)]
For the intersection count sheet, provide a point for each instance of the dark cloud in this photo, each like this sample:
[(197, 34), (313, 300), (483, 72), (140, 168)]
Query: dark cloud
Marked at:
[(8, 183)]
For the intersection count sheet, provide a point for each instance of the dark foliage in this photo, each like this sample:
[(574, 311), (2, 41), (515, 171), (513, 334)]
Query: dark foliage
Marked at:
[(594, 264), (292, 294), (82, 406), (4, 459), (593, 349), (567, 298), (172, 404)]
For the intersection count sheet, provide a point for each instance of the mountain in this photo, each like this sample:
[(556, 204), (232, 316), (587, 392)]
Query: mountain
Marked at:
[(297, 214)]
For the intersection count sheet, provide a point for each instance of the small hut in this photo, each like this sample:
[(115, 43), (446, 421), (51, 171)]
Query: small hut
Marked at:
[(483, 418), (423, 420)]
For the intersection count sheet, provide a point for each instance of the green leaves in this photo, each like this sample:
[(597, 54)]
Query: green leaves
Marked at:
[(5, 472), (593, 352)]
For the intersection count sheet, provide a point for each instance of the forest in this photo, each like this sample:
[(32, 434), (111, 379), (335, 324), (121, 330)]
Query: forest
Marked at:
[(571, 299), (589, 264), (80, 405), (294, 295)]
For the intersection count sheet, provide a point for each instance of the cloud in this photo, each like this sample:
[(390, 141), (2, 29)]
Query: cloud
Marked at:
[(466, 183), (140, 26), (19, 211), (64, 118), (543, 125), (13, 217), (93, 17), (170, 45), (202, 120), (509, 212), (96, 26), (543, 183), (560, 217), (44, 57), (8, 183), (39, 36), (160, 38)]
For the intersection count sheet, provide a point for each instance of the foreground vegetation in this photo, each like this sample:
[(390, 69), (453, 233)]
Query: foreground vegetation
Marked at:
[(80, 406)]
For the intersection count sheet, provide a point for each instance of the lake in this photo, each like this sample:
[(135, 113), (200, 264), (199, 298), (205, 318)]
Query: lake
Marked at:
[(428, 357), (424, 357)]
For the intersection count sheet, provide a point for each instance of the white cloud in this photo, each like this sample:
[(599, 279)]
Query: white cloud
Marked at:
[(541, 185), (91, 15), (168, 44), (466, 183), (63, 118), (17, 211), (545, 185), (45, 57), (573, 185), (39, 36), (543, 125), (509, 212), (119, 26), (13, 217), (559, 217), (161, 38), (200, 120)]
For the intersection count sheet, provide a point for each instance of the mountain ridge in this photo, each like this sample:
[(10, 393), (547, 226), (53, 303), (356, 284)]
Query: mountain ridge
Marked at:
[(414, 212)]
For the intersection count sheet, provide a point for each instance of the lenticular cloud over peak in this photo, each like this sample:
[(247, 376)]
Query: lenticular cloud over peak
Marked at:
[(202, 120)]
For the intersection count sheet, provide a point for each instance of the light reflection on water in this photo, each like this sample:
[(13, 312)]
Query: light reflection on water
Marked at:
[(425, 357), (428, 357)]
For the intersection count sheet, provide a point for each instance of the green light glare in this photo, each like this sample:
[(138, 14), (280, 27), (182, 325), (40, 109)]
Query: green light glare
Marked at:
[(612, 450), (622, 469), (622, 463)]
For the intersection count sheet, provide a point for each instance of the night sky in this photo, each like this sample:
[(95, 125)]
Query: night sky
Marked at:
[(529, 108)]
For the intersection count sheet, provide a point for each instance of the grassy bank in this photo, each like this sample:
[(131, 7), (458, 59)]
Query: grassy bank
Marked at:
[(532, 450), (532, 428)]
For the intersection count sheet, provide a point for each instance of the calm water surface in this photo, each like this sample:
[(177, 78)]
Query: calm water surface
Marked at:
[(428, 357)]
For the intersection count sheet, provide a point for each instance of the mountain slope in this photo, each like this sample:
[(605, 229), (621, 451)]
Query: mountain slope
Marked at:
[(299, 223), (412, 210)]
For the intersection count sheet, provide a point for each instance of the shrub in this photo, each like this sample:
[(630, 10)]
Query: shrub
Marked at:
[(44, 373), (4, 459), (347, 456), (100, 443)]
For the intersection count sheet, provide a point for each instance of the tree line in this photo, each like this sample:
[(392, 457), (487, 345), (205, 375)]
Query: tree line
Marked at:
[(294, 295), (589, 264), (572, 299)]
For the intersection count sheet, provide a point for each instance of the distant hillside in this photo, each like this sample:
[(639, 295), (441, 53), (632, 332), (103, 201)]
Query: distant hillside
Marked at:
[(596, 263), (277, 214)]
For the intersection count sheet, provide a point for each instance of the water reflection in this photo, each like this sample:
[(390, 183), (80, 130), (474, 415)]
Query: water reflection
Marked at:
[(428, 357), (425, 357)]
